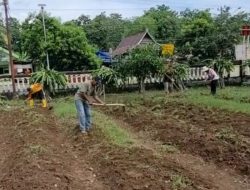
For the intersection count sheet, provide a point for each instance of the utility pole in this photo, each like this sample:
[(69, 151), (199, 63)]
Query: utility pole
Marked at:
[(5, 3), (245, 32), (44, 30)]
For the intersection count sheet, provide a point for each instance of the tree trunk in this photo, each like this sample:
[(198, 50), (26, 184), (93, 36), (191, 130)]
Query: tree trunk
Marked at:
[(221, 81), (141, 85), (241, 73), (104, 93), (47, 95), (179, 85)]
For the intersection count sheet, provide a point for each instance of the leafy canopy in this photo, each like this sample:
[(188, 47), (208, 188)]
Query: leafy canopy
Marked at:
[(66, 45), (50, 79), (144, 61)]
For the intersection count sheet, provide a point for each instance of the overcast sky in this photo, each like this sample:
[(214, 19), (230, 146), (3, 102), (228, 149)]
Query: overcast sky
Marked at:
[(70, 9)]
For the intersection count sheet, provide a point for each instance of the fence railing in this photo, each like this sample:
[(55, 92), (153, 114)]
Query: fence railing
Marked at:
[(195, 73), (75, 78), (22, 82)]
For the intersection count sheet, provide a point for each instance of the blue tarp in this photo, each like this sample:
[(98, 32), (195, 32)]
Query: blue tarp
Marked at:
[(104, 56)]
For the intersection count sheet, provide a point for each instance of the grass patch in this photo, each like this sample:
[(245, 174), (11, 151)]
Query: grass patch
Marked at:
[(227, 134), (35, 149), (112, 130), (169, 148), (179, 182), (65, 108), (228, 102), (2, 101), (234, 99), (34, 116), (134, 99)]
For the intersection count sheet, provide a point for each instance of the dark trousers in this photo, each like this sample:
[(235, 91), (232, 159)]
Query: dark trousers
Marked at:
[(213, 86), (38, 95)]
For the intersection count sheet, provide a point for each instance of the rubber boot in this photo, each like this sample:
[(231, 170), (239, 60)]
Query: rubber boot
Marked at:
[(44, 103), (31, 103)]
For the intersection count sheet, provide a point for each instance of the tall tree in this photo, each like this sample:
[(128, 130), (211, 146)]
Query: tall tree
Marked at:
[(197, 29), (144, 62), (67, 44), (15, 28), (103, 31), (3, 37), (227, 31), (166, 20), (140, 24)]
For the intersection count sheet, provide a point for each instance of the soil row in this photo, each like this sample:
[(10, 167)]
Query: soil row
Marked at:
[(215, 135)]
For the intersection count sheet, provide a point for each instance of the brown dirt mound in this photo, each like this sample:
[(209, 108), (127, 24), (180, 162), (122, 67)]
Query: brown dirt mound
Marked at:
[(35, 155), (133, 168), (215, 135)]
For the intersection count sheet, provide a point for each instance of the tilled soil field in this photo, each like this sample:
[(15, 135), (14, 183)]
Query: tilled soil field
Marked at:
[(37, 151), (216, 136), (34, 154), (41, 151)]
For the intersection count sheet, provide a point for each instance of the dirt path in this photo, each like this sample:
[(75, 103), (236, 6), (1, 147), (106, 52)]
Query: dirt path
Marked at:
[(34, 154)]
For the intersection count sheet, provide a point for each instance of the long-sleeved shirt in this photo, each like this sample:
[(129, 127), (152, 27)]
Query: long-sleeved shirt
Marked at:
[(212, 75)]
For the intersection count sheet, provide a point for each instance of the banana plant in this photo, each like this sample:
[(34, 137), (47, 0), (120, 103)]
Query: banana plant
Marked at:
[(50, 79), (108, 75)]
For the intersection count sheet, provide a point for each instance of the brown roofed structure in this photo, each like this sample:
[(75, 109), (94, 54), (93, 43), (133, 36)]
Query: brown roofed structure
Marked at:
[(131, 42)]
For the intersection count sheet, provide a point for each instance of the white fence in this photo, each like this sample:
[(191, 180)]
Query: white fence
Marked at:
[(22, 83), (195, 74)]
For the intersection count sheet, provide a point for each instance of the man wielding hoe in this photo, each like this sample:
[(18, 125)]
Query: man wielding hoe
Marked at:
[(84, 97), (212, 77), (36, 91)]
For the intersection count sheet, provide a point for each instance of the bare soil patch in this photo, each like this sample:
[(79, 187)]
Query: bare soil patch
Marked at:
[(34, 154), (38, 151), (217, 136)]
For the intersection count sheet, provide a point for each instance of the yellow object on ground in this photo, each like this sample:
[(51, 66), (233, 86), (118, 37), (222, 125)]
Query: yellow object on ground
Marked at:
[(31, 103), (44, 103)]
